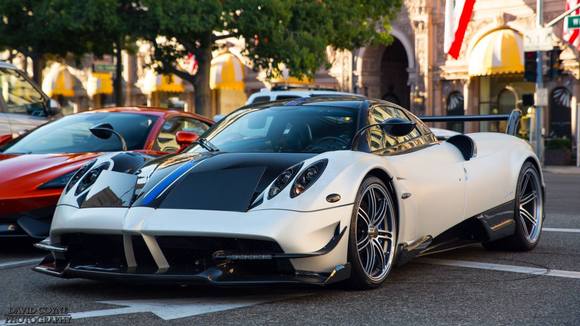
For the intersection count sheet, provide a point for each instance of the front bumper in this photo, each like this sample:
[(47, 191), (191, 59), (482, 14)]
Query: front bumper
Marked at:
[(189, 266), (188, 246)]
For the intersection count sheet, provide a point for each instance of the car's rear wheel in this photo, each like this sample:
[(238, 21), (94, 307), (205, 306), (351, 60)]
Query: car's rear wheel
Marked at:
[(528, 213), (373, 235)]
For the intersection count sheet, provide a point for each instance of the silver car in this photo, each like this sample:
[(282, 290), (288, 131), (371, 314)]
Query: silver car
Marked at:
[(23, 105)]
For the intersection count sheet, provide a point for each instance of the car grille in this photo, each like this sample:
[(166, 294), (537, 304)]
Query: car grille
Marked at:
[(189, 255)]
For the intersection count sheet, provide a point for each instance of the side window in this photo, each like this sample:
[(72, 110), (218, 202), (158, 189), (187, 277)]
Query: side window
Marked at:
[(19, 95), (378, 140), (166, 141), (399, 113), (379, 114)]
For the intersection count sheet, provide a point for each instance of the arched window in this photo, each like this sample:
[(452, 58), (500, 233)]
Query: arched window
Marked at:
[(560, 113), (506, 101), (455, 107)]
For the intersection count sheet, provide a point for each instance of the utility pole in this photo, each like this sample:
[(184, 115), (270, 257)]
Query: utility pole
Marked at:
[(539, 84)]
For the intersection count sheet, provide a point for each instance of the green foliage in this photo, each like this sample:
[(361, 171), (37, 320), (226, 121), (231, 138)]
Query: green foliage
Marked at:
[(35, 27), (559, 143), (291, 32), (295, 33), (64, 27)]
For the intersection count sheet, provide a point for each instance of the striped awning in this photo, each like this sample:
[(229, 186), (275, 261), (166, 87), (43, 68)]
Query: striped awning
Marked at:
[(162, 83), (498, 52), (227, 72), (58, 81), (100, 83), (291, 80)]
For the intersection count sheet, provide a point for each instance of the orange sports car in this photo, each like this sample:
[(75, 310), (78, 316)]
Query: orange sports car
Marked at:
[(35, 167)]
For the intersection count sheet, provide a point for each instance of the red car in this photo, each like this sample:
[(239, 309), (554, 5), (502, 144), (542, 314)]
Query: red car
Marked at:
[(35, 167)]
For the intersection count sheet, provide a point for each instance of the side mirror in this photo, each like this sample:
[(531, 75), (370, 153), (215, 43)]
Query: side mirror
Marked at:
[(102, 131), (397, 127), (5, 138), (52, 107), (185, 139), (105, 131)]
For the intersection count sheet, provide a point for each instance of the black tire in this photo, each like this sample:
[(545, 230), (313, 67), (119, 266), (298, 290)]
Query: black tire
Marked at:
[(522, 239), (360, 279)]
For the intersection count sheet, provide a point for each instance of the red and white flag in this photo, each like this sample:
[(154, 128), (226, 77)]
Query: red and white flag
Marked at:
[(572, 36), (457, 16)]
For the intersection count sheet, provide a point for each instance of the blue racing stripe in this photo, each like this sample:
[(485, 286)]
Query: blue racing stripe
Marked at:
[(161, 186)]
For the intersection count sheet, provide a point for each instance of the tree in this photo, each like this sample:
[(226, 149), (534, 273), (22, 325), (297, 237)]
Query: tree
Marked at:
[(295, 33), (37, 28), (60, 28), (105, 27)]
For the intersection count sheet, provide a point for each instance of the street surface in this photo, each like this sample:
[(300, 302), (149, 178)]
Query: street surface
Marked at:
[(468, 286)]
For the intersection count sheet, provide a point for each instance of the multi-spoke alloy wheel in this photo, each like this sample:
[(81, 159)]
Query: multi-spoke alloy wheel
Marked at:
[(373, 234), (528, 213), (530, 205)]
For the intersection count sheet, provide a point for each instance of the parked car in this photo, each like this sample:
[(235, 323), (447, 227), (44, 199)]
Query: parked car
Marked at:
[(314, 191), (287, 93), (35, 167), (23, 105)]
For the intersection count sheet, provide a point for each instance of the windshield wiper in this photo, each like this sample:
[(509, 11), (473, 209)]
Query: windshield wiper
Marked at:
[(206, 144)]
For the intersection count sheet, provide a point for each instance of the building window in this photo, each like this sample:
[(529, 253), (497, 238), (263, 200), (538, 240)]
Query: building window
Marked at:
[(455, 107), (560, 113)]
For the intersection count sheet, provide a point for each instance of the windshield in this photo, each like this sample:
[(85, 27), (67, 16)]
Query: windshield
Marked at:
[(286, 129), (71, 134)]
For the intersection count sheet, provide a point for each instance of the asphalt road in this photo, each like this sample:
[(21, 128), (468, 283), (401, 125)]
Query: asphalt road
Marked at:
[(468, 286)]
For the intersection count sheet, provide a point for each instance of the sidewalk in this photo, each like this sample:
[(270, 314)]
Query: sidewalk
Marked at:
[(562, 169)]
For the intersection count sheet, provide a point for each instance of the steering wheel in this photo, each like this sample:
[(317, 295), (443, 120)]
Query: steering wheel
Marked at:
[(329, 143)]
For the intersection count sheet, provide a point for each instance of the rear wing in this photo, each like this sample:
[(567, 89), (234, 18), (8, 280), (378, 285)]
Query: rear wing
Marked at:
[(513, 119)]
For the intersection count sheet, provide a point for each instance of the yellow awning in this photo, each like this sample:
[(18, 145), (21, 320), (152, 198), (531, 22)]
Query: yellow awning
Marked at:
[(227, 72), (100, 83), (292, 80), (58, 81), (499, 52), (162, 83)]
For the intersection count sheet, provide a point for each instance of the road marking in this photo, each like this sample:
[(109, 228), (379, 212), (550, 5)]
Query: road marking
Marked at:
[(169, 309), (561, 230), (501, 268), (20, 263)]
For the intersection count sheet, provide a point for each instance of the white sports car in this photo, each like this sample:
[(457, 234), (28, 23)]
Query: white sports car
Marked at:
[(311, 191)]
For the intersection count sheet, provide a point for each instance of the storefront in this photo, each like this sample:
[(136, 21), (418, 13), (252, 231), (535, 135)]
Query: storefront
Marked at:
[(61, 85), (100, 89), (496, 72), (166, 91), (227, 85)]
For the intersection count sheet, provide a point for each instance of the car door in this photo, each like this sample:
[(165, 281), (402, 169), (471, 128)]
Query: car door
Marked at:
[(431, 173), (24, 105), (488, 171), (166, 138)]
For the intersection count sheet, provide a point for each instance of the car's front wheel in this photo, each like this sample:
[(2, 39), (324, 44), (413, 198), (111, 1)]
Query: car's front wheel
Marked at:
[(373, 235)]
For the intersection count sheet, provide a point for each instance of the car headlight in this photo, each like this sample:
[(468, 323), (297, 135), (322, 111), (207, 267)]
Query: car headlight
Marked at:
[(79, 173), (308, 177), (90, 178), (283, 180), (58, 182)]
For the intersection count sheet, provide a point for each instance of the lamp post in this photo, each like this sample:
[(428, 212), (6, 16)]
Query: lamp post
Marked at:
[(539, 85)]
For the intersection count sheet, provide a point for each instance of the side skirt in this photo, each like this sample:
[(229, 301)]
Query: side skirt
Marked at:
[(491, 225)]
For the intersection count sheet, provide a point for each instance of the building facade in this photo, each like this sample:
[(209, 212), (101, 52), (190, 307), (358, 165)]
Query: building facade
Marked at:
[(488, 76)]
